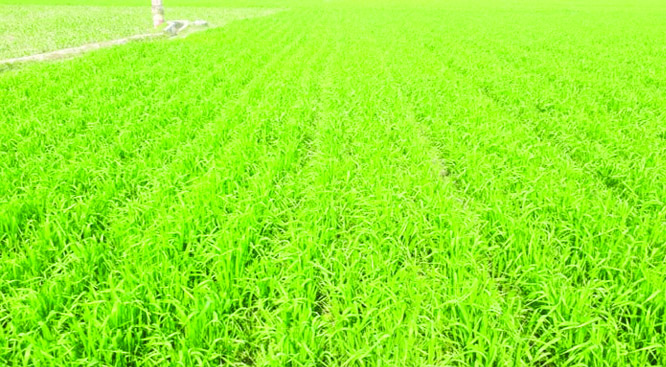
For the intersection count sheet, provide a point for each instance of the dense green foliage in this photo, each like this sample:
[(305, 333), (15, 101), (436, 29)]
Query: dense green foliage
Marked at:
[(343, 186)]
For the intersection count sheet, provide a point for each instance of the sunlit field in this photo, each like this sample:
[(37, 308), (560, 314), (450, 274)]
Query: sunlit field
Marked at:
[(44, 28), (428, 183)]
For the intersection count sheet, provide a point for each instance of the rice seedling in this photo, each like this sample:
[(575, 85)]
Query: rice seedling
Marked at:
[(431, 183)]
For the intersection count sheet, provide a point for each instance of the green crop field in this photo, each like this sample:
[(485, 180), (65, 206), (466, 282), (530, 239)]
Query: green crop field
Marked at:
[(44, 28), (341, 183)]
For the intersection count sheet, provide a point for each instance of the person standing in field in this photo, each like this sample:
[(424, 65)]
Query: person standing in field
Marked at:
[(158, 13)]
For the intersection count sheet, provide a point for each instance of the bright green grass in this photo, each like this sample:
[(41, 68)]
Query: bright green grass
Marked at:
[(343, 186), (33, 29)]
